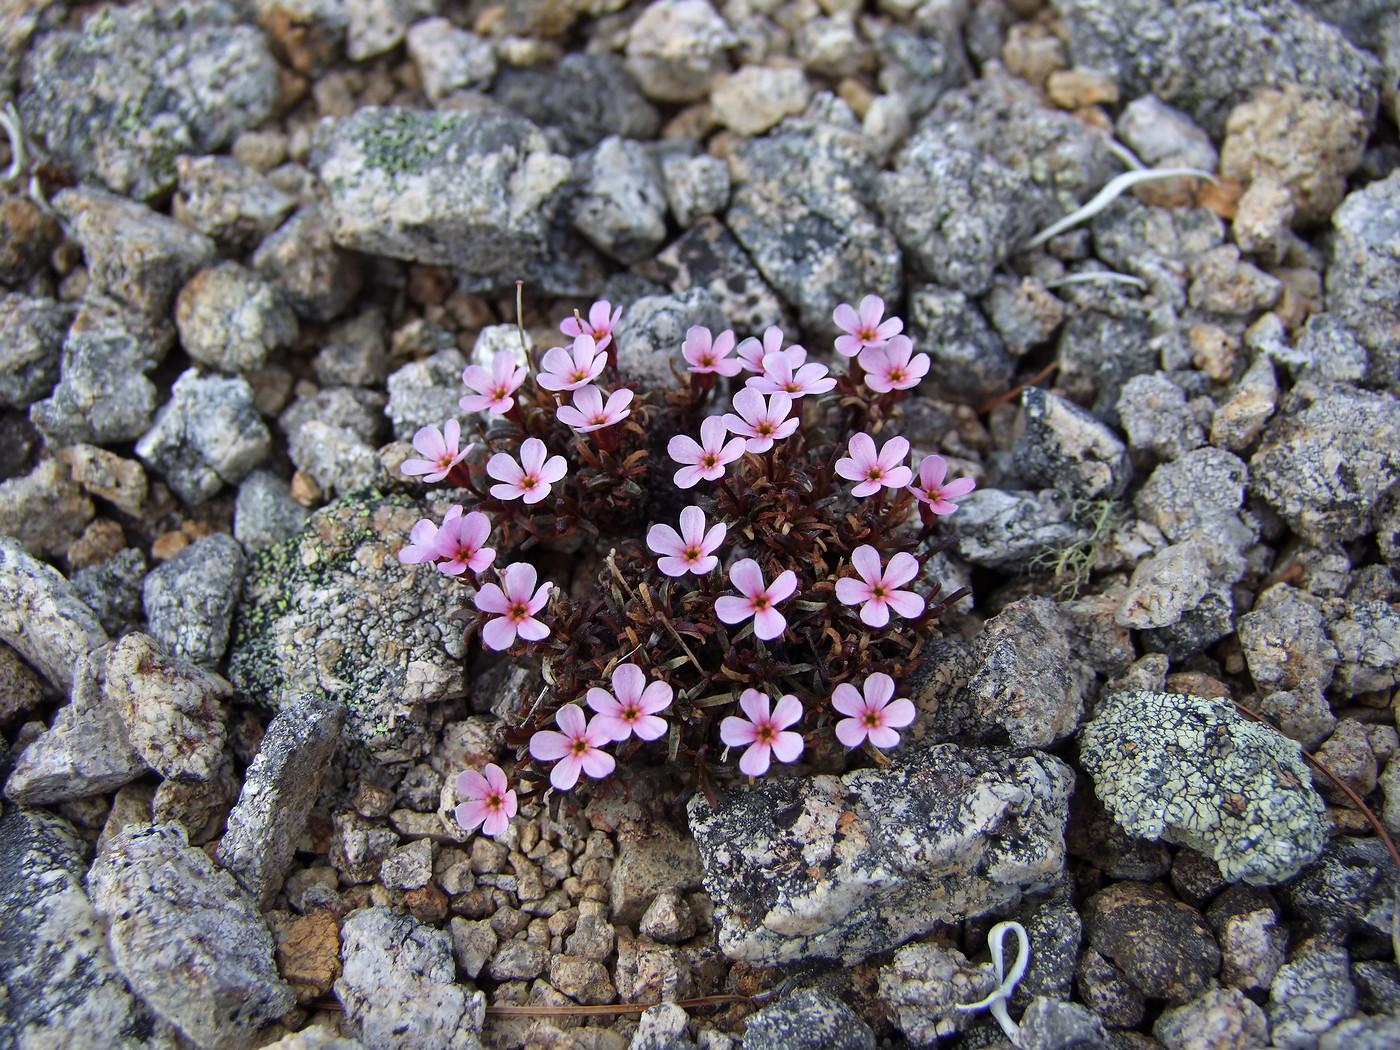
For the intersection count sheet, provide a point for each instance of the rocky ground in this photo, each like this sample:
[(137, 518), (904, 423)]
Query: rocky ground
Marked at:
[(248, 249)]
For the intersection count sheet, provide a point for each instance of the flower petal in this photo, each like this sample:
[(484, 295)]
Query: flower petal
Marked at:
[(547, 745), (755, 761), (846, 698)]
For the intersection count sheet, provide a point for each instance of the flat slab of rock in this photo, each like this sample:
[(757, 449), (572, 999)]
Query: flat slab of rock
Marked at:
[(62, 987), (41, 616), (186, 938), (844, 867)]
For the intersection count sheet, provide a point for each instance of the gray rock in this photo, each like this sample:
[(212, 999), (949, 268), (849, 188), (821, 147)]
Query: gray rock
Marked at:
[(621, 203), (592, 96), (968, 361), (1165, 587), (399, 986), (335, 458), (377, 26), (186, 938), (231, 319), (31, 340), (61, 983), (473, 944), (924, 986), (1049, 1024), (958, 212), (1028, 689), (190, 599), (386, 646), (695, 186), (1200, 1022), (754, 99), (1206, 58), (449, 58), (359, 411), (279, 790), (1223, 283), (807, 1020), (1000, 529), (802, 207), (1285, 641), (1240, 420), (925, 840), (1024, 312), (103, 396), (1150, 940), (916, 66), (1153, 412), (358, 847), (1362, 284), (173, 710), (519, 961), (1326, 350), (316, 1037), (1367, 637), (1197, 629), (208, 435), (41, 617), (662, 1027), (1166, 764), (834, 47), (112, 590), (118, 100), (1348, 896), (1312, 992), (676, 49), (394, 185), (1364, 1032), (1065, 447), (230, 203), (265, 512), (85, 752), (652, 329), (1199, 493), (317, 277), (355, 352), (1154, 242), (424, 393), (1164, 137), (44, 510), (1098, 353), (1056, 931)]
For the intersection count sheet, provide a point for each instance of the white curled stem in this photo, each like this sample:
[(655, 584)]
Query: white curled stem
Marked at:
[(995, 1002), (1097, 277), (1111, 192)]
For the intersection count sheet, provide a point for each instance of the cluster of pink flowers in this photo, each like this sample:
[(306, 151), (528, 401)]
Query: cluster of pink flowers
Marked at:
[(764, 411)]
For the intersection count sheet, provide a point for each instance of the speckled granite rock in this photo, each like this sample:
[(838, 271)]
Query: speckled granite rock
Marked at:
[(190, 598), (843, 867), (1362, 280), (384, 644), (807, 1020), (186, 938), (1193, 772), (41, 617), (62, 987)]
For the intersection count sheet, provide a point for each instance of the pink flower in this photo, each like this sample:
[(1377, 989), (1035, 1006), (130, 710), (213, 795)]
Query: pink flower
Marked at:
[(516, 602), (931, 490), (872, 470), (876, 591), (490, 801), (690, 550), (572, 368), (439, 449), (706, 459), (767, 736), (864, 329), (529, 479), (891, 367), (751, 353), (872, 715), (459, 544), (758, 422), (600, 323), (588, 413), (778, 377), (757, 601), (632, 705), (493, 388), (576, 748), (705, 353), (422, 545)]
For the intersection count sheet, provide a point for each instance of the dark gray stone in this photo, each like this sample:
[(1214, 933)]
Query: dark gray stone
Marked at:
[(103, 396), (112, 590), (190, 598), (620, 205), (230, 203), (1098, 354), (318, 278), (968, 361), (265, 512), (1363, 282), (1066, 448), (31, 340), (807, 1020), (231, 319), (592, 96)]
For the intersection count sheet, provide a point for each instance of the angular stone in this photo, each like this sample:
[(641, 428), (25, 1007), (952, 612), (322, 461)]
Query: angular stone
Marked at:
[(190, 598), (41, 617)]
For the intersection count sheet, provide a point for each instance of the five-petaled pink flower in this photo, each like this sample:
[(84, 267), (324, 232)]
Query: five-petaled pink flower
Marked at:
[(490, 800), (865, 328), (690, 550), (706, 353), (751, 352), (931, 490), (439, 449), (779, 378), (871, 715), (893, 366), (423, 538), (872, 469), (588, 412), (876, 592), (516, 601), (758, 601), (631, 706), (600, 323), (766, 735), (459, 544), (528, 479), (704, 460), (569, 369), (760, 422), (576, 748), (494, 387)]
